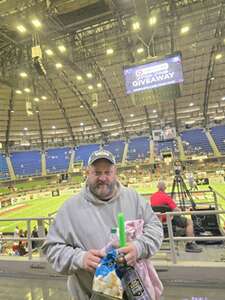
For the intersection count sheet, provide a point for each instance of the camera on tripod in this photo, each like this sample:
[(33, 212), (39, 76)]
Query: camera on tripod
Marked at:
[(177, 167)]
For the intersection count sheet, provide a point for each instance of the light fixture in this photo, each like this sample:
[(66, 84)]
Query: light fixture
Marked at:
[(136, 26), (140, 50), (23, 74), (36, 23), (36, 99), (223, 98), (43, 97), (99, 85), (131, 115), (154, 111), (218, 56), (53, 127), (109, 51), (18, 92), (49, 52), (106, 120), (184, 29), (81, 106), (79, 77), (90, 87), (27, 90), (25, 129), (109, 100), (89, 75), (152, 21), (58, 65), (12, 111), (191, 104), (81, 124), (212, 78), (62, 48), (21, 28)]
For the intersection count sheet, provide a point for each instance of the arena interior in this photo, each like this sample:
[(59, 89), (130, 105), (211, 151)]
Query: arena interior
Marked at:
[(143, 79)]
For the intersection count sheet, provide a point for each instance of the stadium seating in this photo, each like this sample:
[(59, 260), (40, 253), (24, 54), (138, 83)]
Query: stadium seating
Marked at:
[(83, 152), (4, 172), (57, 159), (26, 163), (195, 141), (138, 148), (166, 146), (218, 134), (117, 148)]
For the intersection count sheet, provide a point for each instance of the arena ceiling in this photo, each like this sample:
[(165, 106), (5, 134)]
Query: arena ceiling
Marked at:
[(85, 44)]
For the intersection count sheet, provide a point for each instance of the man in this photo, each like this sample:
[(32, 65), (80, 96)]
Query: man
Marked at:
[(160, 198), (82, 226)]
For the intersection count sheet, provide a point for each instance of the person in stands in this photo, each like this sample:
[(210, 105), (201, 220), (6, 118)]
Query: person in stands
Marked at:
[(161, 198), (81, 228)]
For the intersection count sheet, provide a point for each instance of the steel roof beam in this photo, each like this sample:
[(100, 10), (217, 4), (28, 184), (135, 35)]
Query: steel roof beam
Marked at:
[(59, 101), (8, 127)]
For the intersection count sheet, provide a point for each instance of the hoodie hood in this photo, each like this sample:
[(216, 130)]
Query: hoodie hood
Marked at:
[(90, 197)]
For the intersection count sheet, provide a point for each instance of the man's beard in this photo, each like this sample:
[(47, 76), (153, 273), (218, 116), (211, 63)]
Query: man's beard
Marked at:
[(103, 191)]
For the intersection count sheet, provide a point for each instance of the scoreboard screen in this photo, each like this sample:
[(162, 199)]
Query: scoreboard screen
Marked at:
[(154, 74)]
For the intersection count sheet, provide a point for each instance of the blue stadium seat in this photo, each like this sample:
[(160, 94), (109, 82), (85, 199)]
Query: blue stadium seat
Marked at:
[(117, 148), (218, 134), (57, 159), (195, 141), (83, 152), (4, 172), (26, 163), (164, 146), (138, 148)]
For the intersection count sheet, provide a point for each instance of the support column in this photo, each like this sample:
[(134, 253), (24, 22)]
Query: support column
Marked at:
[(125, 151), (43, 164), (10, 168), (152, 151), (182, 155), (212, 143), (72, 157)]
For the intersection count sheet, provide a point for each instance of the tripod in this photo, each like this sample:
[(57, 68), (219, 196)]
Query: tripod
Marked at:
[(182, 192), (185, 196)]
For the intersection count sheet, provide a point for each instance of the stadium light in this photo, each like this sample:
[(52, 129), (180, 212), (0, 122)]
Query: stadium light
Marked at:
[(89, 75), (79, 77), (152, 21), (62, 48), (136, 26), (36, 23), (49, 52), (21, 28), (109, 51), (184, 29), (23, 74)]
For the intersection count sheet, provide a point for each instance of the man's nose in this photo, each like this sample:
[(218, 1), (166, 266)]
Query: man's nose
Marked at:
[(102, 177)]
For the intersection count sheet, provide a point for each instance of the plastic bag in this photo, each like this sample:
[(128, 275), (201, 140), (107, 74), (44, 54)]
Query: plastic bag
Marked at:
[(106, 282)]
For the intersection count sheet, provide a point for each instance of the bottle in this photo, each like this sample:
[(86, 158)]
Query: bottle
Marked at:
[(131, 281)]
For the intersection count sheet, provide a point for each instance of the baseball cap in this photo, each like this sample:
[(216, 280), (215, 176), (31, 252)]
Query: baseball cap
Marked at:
[(99, 154)]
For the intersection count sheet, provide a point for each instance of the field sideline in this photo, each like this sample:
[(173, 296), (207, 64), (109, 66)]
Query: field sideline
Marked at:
[(44, 205)]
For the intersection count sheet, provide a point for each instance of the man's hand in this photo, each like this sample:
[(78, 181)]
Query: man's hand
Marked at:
[(92, 259), (130, 252)]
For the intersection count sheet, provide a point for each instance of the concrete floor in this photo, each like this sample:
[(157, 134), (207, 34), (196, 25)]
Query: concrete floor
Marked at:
[(15, 288)]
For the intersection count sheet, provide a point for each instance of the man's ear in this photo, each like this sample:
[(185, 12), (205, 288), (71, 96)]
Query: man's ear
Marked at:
[(87, 172)]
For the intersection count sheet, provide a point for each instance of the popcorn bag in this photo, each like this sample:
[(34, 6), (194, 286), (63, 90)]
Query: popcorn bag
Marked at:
[(106, 282)]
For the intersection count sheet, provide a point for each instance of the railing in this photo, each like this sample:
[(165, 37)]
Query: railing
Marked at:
[(171, 238), (29, 238)]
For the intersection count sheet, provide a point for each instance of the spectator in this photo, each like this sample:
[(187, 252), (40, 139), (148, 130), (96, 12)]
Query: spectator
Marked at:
[(160, 198), (35, 235), (82, 226)]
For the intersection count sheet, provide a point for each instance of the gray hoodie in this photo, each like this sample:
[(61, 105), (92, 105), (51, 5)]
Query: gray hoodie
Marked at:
[(84, 223)]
